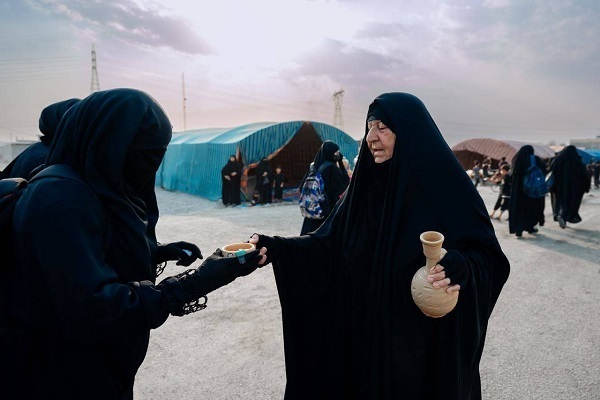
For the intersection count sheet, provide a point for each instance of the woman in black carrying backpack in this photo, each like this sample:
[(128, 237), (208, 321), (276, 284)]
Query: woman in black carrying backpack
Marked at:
[(328, 161), (524, 212), (82, 296)]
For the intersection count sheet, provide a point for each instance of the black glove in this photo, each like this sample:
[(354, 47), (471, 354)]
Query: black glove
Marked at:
[(175, 251), (456, 268), (269, 243), (215, 271)]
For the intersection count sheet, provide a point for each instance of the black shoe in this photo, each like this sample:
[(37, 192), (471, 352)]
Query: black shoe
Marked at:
[(533, 230), (519, 234), (561, 222)]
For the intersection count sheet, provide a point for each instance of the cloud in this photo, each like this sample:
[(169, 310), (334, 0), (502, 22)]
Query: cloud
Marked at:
[(553, 38), (145, 24), (349, 65)]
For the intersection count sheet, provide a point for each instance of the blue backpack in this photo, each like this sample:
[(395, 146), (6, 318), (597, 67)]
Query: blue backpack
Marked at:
[(313, 200), (534, 181)]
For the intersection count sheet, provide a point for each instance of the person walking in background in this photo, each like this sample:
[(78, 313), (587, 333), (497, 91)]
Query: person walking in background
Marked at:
[(485, 168), (351, 328), (597, 174), (477, 174), (231, 180), (570, 183), (264, 181), (503, 200), (278, 185), (35, 155), (524, 212), (80, 300), (502, 162), (328, 162)]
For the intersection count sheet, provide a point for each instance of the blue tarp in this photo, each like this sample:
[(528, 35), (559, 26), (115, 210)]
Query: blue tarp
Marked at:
[(588, 156), (193, 161)]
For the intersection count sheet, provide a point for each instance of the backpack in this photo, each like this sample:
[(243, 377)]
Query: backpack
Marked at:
[(313, 200), (11, 190), (534, 181)]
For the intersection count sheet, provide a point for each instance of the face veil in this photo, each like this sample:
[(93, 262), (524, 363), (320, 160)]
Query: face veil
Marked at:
[(116, 139)]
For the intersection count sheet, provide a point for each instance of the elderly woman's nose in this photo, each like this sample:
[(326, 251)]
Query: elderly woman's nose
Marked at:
[(372, 134)]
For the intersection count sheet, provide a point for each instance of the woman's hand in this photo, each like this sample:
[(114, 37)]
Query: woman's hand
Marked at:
[(439, 280), (452, 275)]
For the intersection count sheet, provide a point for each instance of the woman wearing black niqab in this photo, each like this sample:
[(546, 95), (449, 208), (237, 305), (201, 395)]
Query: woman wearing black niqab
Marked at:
[(328, 161), (524, 212), (35, 155), (351, 329), (230, 180), (264, 181), (571, 181), (81, 297)]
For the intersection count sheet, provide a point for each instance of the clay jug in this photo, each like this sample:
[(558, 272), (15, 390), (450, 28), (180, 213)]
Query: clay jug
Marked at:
[(433, 302)]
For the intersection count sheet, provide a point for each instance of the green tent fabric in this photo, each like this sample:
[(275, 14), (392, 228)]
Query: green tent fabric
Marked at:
[(193, 161)]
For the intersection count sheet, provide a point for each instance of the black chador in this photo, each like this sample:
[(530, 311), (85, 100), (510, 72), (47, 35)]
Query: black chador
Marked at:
[(351, 328)]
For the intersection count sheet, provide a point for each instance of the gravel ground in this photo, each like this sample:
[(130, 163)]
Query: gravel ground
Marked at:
[(543, 339)]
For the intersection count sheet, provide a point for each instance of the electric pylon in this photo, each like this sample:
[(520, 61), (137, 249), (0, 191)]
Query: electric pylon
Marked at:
[(338, 120), (95, 86)]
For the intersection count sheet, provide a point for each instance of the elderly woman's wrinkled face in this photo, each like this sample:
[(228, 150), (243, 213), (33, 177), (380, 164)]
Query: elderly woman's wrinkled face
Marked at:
[(380, 140)]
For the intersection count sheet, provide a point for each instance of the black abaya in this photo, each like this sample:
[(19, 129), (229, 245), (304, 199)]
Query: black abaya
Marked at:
[(82, 291), (524, 212), (230, 192), (264, 181), (571, 181), (351, 328)]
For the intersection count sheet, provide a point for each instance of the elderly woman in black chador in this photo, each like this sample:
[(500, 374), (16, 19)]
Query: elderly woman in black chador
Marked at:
[(524, 212), (351, 328), (81, 299), (571, 181), (264, 181), (35, 155), (231, 175), (328, 161)]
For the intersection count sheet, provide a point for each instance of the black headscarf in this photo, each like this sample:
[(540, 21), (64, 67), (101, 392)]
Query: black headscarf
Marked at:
[(116, 140), (231, 166), (326, 153), (351, 328), (35, 155), (50, 118)]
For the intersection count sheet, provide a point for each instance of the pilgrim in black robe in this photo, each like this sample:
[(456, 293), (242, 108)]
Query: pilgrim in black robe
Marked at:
[(78, 295), (524, 212), (264, 181), (351, 329), (570, 183), (335, 180), (35, 155), (231, 183)]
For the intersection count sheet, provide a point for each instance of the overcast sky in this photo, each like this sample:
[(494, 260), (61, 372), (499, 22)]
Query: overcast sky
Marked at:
[(524, 70)]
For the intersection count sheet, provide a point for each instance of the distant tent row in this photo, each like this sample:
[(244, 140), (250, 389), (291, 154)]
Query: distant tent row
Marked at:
[(469, 151), (193, 161)]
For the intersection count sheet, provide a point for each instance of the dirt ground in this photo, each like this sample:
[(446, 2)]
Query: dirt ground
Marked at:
[(543, 339)]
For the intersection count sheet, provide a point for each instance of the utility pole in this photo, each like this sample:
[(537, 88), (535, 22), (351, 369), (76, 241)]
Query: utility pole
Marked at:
[(95, 85), (338, 120), (184, 99)]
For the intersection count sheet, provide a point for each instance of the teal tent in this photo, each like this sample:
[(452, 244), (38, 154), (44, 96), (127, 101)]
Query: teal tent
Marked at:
[(193, 161)]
